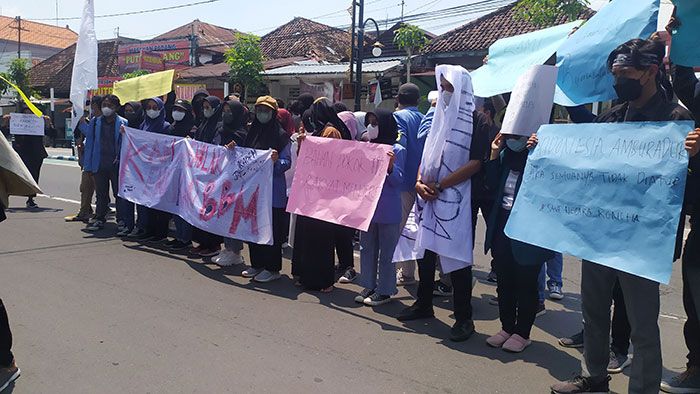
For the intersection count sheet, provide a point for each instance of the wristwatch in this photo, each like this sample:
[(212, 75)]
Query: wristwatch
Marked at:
[(438, 187)]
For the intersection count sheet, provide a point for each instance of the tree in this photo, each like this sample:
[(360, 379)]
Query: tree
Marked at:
[(18, 73), (245, 60), (546, 12), (411, 39), (135, 73)]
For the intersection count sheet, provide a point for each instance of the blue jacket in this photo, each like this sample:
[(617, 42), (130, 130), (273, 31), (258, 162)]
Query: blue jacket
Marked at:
[(389, 205), (525, 254), (91, 158), (408, 121), (279, 182)]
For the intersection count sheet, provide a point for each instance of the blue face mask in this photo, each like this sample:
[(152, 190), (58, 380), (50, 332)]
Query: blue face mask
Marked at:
[(517, 144)]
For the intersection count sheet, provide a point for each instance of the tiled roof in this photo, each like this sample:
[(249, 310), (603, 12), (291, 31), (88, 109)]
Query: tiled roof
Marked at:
[(210, 37), (37, 33), (480, 33), (386, 38), (55, 72), (305, 38)]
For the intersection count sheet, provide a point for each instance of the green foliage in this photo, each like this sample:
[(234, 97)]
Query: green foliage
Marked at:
[(545, 12), (18, 74), (410, 38), (246, 60), (136, 73)]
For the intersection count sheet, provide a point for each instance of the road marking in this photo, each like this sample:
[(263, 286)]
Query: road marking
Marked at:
[(60, 199)]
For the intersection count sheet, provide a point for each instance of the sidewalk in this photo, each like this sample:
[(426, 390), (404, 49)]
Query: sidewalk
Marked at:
[(61, 154)]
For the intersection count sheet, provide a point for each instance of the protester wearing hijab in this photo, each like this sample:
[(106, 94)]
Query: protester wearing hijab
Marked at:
[(350, 121), (31, 150), (169, 103), (378, 271), (133, 112), (158, 221), (284, 117), (197, 103)]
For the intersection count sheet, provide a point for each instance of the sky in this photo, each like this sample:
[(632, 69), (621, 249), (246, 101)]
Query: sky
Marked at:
[(244, 15)]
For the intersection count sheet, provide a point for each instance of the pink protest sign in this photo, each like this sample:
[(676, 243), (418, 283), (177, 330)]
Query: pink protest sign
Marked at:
[(222, 191), (339, 181)]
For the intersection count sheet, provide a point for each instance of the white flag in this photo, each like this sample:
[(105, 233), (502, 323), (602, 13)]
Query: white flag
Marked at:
[(84, 75), (378, 95)]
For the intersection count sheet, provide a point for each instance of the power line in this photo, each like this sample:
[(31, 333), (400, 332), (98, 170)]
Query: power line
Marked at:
[(131, 12)]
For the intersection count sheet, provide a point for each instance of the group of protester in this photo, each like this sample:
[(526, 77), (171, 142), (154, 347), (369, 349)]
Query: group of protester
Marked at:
[(453, 149)]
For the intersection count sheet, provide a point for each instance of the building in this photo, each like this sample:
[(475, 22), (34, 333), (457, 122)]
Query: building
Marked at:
[(304, 38), (211, 41), (36, 41)]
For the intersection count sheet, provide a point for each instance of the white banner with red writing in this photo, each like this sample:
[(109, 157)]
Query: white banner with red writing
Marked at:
[(225, 192)]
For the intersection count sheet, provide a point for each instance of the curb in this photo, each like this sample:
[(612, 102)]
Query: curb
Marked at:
[(69, 158)]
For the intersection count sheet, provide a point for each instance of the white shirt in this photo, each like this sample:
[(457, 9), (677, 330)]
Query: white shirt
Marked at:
[(509, 190)]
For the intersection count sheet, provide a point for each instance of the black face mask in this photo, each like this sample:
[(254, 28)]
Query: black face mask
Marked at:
[(628, 89), (227, 118), (131, 117)]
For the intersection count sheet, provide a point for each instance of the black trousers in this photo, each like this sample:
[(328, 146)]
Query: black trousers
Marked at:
[(691, 297), (269, 257), (621, 329), (33, 164), (344, 237), (158, 222), (461, 287), (103, 178), (517, 287), (486, 206), (6, 356)]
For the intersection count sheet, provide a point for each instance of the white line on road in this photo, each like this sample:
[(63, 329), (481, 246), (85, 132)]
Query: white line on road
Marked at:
[(59, 199)]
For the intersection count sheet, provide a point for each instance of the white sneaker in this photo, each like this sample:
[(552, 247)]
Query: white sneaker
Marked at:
[(221, 256), (229, 258), (251, 272), (267, 276)]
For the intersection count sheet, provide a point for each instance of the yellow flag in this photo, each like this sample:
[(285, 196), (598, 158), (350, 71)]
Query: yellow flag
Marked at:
[(144, 87), (31, 106)]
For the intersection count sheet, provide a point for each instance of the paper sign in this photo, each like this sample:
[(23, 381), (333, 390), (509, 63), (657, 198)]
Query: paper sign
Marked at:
[(530, 104), (144, 87), (221, 191), (510, 57), (684, 48), (582, 59), (610, 193), (26, 124), (339, 181)]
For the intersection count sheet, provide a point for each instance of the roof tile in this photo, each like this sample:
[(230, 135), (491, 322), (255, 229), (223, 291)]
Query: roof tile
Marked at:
[(37, 33), (305, 38)]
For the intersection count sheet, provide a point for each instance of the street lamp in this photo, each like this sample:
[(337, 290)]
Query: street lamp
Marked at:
[(376, 52)]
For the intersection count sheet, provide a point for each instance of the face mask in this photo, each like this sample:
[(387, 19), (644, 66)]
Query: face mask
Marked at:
[(152, 113), (130, 116), (263, 117), (446, 98), (628, 89), (106, 111), (208, 113), (372, 132), (228, 118), (178, 115), (517, 144)]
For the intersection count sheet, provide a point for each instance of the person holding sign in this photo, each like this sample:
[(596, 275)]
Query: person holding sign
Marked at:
[(635, 66)]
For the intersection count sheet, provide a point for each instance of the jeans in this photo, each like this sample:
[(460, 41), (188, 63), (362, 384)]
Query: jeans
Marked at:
[(642, 304), (408, 199), (691, 298), (378, 245), (6, 356), (461, 287), (553, 268), (103, 179), (183, 230)]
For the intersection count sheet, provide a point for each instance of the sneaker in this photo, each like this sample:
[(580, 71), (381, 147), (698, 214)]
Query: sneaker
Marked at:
[(405, 280), (540, 310), (251, 272), (491, 278), (498, 340), (555, 293), (144, 236), (136, 233), (8, 375), (180, 246), (195, 250), (377, 299), (574, 341), (581, 384), (415, 312), (460, 332), (171, 243), (349, 276), (267, 276), (493, 301), (31, 204), (92, 220), (124, 232), (516, 344), (618, 362), (686, 382), (360, 298), (76, 218), (208, 252), (222, 255), (157, 240), (441, 290), (97, 225), (120, 225)]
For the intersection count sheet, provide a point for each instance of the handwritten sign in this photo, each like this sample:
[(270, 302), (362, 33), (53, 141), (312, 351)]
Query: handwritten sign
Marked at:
[(610, 193), (225, 192), (684, 48), (530, 104), (26, 124), (510, 57), (339, 181), (582, 59)]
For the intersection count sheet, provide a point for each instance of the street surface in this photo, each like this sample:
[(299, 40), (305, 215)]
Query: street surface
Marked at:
[(93, 314)]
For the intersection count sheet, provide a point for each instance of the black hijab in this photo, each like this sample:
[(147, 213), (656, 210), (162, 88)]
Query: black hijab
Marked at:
[(234, 130), (265, 136), (388, 129), (197, 102), (182, 128), (323, 115), (207, 129), (306, 100), (515, 161), (306, 120), (169, 103), (135, 120)]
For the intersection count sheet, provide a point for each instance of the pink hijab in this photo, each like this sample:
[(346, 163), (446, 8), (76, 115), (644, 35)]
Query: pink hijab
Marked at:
[(349, 119), (285, 119)]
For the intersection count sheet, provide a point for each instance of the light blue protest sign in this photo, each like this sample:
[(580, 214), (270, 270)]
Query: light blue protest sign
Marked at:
[(583, 73), (610, 193), (511, 57), (685, 48)]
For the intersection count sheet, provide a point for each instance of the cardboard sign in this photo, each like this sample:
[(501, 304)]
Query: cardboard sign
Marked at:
[(26, 124)]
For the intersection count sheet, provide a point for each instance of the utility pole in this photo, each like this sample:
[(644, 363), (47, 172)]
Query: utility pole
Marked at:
[(193, 46), (403, 3), (56, 12), (352, 39), (19, 36), (116, 31), (360, 42)]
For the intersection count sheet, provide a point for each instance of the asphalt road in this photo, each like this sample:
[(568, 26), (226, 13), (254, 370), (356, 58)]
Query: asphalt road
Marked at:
[(93, 314)]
